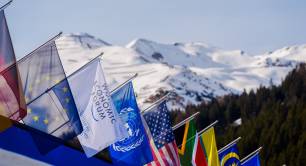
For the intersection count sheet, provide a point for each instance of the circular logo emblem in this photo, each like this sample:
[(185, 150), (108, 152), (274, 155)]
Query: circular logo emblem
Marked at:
[(132, 124)]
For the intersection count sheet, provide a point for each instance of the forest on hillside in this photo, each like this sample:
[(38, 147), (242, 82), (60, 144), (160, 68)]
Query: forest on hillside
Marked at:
[(273, 117)]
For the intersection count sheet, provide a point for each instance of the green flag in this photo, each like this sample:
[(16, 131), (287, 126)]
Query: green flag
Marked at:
[(186, 142)]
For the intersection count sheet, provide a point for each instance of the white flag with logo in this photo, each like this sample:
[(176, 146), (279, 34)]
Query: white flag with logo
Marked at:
[(101, 123)]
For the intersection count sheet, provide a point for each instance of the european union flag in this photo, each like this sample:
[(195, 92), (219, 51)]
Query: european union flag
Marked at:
[(54, 113), (229, 156), (51, 107), (134, 150), (252, 161)]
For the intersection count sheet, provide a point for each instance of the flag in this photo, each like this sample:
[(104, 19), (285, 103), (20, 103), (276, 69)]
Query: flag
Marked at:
[(50, 105), (135, 149), (163, 142), (186, 142), (229, 156), (157, 159), (18, 140), (52, 112), (12, 104), (199, 156), (209, 141), (252, 161), (101, 122)]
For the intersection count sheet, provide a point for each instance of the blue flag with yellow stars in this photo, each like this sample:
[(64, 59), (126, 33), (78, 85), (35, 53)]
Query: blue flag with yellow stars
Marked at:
[(229, 156), (135, 149), (50, 105), (252, 161)]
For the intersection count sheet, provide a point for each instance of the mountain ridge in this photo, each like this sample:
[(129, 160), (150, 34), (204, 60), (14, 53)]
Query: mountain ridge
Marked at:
[(194, 71)]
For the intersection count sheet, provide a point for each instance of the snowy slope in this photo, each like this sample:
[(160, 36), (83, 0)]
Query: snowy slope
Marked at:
[(193, 71)]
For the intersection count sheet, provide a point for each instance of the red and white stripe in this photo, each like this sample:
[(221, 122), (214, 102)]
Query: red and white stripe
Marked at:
[(165, 156)]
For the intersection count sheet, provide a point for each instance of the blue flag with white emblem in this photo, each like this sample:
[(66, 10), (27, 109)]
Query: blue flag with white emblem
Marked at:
[(135, 149), (252, 161), (229, 156), (50, 105)]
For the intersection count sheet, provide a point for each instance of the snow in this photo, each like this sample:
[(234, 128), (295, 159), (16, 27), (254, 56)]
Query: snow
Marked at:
[(193, 71)]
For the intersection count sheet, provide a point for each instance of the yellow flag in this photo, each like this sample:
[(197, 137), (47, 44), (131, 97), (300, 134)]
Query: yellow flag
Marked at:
[(209, 140)]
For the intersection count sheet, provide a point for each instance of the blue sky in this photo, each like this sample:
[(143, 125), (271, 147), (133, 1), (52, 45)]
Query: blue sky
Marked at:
[(255, 26)]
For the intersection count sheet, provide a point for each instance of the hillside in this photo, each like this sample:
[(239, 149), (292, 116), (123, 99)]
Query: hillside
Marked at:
[(272, 117), (195, 72)]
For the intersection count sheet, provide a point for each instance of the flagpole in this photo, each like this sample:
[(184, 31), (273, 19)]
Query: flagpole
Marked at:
[(184, 121), (209, 126), (165, 97), (6, 5), (99, 56), (64, 79), (251, 154), (228, 145), (47, 42), (124, 83)]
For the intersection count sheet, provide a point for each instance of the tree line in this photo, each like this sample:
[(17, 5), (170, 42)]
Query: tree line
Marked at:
[(273, 117)]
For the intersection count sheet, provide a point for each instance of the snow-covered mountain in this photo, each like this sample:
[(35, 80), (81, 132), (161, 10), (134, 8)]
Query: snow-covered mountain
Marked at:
[(195, 72)]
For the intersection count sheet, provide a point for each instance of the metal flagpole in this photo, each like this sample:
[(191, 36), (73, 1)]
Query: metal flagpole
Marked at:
[(199, 133), (64, 78), (99, 56), (209, 126), (53, 38), (184, 121), (228, 145), (6, 5), (165, 97), (47, 42), (124, 83), (251, 154)]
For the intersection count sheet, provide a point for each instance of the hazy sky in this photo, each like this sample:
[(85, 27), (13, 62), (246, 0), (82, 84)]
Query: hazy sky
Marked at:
[(255, 26)]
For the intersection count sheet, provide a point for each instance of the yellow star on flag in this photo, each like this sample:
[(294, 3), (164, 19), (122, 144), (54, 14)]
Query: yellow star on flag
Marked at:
[(35, 118), (29, 110), (65, 89), (234, 164), (67, 100), (46, 121)]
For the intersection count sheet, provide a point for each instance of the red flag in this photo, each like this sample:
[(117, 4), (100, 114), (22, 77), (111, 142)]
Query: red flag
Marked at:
[(12, 104), (199, 155)]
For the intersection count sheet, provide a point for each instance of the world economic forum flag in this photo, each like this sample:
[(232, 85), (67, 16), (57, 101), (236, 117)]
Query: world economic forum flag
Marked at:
[(50, 105), (229, 156), (134, 150), (101, 122)]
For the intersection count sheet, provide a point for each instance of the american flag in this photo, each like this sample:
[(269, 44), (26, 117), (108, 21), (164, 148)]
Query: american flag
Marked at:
[(161, 136)]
